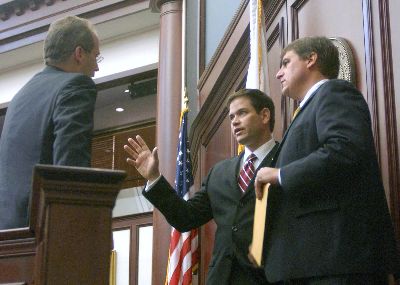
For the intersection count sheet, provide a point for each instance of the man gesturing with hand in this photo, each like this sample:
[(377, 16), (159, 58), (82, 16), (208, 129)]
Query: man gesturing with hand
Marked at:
[(227, 192)]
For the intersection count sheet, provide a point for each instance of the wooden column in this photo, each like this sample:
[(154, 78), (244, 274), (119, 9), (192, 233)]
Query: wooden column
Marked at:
[(168, 112)]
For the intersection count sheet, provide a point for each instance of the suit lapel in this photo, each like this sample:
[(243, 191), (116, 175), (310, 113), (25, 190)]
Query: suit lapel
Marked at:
[(294, 119), (233, 173)]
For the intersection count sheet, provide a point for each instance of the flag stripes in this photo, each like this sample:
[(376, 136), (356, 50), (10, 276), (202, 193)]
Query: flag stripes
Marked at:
[(183, 250)]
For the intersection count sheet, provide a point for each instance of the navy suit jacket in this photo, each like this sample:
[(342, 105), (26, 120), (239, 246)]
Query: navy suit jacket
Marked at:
[(49, 121), (220, 199), (330, 215)]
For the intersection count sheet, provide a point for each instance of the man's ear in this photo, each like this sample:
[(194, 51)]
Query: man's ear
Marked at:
[(79, 54), (266, 115), (312, 59)]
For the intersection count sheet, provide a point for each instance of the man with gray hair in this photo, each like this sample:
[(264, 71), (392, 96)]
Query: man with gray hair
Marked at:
[(50, 120)]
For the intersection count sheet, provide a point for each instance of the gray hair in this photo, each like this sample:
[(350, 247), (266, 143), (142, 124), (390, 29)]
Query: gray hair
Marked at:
[(64, 36)]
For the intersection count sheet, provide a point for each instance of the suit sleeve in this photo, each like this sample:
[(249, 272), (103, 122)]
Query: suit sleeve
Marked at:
[(73, 122), (182, 215), (344, 139)]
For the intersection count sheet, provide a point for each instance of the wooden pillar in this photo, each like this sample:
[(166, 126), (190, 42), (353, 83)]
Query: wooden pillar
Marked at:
[(168, 112)]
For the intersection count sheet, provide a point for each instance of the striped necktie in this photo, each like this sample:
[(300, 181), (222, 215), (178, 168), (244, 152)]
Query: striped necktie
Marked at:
[(247, 172)]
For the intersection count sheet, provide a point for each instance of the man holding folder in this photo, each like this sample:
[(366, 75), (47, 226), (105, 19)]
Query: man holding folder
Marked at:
[(327, 218)]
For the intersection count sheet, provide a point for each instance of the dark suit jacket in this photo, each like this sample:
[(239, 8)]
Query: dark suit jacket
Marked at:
[(219, 198), (330, 216), (49, 121)]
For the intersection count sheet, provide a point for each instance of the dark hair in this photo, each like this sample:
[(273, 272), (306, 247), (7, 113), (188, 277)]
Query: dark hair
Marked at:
[(327, 53), (64, 36), (259, 100)]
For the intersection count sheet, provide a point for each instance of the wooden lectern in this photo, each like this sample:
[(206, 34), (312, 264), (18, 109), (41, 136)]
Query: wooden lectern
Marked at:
[(69, 238)]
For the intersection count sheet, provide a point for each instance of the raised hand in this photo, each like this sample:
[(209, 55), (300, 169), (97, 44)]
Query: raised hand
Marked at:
[(144, 160)]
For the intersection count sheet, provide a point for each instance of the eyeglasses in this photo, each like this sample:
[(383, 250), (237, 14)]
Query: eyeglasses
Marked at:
[(99, 58)]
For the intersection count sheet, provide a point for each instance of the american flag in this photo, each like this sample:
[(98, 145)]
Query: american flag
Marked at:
[(183, 249)]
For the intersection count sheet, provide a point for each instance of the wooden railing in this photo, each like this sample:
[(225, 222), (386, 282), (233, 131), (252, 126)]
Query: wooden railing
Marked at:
[(69, 237)]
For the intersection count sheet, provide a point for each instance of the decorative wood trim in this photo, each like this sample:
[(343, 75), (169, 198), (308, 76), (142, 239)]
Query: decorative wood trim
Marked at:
[(228, 34), (296, 6), (275, 34), (202, 37), (372, 97), (17, 257), (282, 41), (390, 110), (214, 110), (271, 11), (14, 245), (278, 33), (22, 25), (133, 223)]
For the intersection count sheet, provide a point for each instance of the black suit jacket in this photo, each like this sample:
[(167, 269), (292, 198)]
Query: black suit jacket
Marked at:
[(49, 121), (220, 199), (330, 215)]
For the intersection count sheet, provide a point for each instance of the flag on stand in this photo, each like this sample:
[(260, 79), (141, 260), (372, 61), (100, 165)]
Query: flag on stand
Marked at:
[(257, 72), (183, 249)]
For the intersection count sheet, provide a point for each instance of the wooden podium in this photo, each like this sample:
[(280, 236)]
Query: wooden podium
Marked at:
[(69, 237)]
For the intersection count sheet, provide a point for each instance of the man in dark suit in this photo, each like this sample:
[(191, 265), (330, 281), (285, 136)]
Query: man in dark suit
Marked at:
[(50, 120), (328, 217), (252, 121)]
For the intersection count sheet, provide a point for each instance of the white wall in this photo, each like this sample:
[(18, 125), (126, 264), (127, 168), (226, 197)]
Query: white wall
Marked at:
[(120, 54), (129, 52), (12, 80)]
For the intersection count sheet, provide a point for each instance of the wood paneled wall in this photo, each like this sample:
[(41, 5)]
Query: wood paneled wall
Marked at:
[(368, 28)]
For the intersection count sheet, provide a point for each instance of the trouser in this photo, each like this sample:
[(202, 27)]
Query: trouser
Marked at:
[(247, 276)]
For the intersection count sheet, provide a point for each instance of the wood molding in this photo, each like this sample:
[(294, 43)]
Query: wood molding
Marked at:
[(390, 111), (202, 36), (271, 11), (14, 245), (372, 98), (275, 34), (296, 6), (214, 111), (230, 31), (17, 256), (133, 223), (22, 25), (278, 34)]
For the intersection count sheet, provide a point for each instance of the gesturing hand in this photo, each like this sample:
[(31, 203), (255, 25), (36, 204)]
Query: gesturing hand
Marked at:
[(145, 161)]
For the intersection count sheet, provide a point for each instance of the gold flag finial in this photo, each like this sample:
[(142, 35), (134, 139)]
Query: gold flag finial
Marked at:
[(185, 99)]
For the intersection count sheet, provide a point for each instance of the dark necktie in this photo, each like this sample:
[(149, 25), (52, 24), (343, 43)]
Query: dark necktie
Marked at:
[(247, 172)]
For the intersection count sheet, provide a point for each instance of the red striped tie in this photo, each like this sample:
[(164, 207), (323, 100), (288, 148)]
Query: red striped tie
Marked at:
[(247, 172)]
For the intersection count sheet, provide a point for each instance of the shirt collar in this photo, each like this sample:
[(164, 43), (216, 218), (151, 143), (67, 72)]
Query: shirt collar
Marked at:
[(260, 152), (311, 91)]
